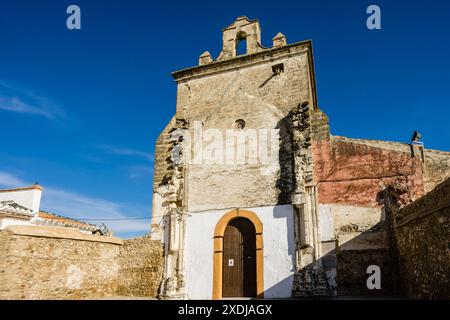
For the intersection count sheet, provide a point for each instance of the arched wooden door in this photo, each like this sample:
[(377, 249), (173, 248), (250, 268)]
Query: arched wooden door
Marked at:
[(239, 259)]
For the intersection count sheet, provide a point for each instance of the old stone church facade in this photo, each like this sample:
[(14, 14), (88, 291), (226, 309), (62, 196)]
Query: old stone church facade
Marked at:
[(254, 197)]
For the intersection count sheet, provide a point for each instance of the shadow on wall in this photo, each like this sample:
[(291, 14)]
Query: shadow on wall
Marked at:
[(278, 290), (352, 259), (343, 268), (286, 161), (375, 246), (343, 271)]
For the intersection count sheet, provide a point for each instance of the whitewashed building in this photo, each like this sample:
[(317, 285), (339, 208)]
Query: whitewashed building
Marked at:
[(21, 206)]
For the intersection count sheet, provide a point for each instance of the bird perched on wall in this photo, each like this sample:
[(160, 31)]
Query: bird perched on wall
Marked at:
[(416, 136)]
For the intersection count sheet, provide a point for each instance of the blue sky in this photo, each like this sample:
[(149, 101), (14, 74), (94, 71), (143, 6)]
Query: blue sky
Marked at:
[(80, 110)]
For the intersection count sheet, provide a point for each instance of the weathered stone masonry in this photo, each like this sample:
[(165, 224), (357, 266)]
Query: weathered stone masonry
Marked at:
[(141, 262), (350, 175), (52, 263), (261, 88), (333, 186), (422, 231), (61, 263)]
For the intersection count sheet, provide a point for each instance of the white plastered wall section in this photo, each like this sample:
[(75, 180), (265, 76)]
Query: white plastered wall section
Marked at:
[(333, 217), (29, 198), (12, 222), (278, 242)]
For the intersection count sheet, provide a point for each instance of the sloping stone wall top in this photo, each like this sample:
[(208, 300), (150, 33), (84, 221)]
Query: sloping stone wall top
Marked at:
[(60, 233), (435, 201), (390, 145)]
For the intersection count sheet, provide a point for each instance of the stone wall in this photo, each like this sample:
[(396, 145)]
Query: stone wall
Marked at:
[(423, 241), (436, 168), (41, 262), (354, 172), (351, 175), (352, 276), (141, 267), (57, 263)]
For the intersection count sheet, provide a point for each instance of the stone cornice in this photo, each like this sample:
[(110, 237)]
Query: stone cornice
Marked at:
[(248, 59)]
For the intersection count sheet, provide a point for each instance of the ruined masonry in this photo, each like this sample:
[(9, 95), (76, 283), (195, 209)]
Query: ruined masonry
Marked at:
[(309, 221)]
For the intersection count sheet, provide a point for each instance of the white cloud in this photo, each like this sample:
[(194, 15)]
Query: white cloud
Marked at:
[(75, 205), (140, 171), (9, 181), (26, 102), (78, 206), (126, 152)]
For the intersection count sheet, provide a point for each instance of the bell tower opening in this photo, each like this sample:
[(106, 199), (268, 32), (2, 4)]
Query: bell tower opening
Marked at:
[(243, 36), (241, 43)]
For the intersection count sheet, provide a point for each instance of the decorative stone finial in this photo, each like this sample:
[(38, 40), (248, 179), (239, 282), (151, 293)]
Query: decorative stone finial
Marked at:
[(205, 58), (279, 40)]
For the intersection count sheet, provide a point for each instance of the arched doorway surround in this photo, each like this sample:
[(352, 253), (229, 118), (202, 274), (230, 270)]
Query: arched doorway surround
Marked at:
[(219, 232)]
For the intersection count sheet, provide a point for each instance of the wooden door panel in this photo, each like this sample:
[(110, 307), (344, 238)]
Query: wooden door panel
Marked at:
[(248, 250), (231, 273), (239, 259)]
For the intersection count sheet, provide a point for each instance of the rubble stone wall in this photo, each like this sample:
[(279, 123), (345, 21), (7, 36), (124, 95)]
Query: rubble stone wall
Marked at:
[(423, 241), (41, 262), (436, 168), (141, 267), (57, 263), (352, 271)]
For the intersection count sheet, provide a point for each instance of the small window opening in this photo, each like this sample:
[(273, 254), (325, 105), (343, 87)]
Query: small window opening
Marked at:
[(239, 124), (278, 68)]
